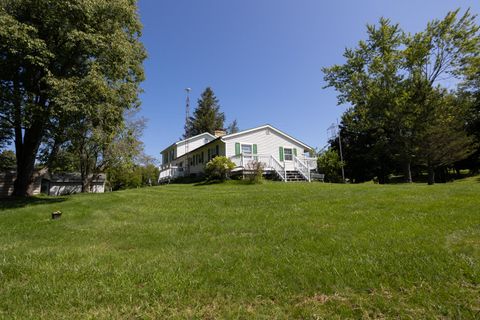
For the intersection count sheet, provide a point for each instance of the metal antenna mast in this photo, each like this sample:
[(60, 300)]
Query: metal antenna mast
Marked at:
[(187, 119)]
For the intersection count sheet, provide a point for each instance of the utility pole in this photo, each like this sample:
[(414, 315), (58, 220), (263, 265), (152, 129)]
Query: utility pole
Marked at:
[(333, 133), (341, 152)]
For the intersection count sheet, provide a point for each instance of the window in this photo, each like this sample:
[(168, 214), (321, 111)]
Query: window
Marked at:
[(288, 154), (247, 149), (217, 150)]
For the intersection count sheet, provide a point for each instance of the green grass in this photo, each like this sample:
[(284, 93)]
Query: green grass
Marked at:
[(274, 250)]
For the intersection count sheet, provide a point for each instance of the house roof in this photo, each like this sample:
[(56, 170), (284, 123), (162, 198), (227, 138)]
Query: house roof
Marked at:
[(189, 139), (306, 146), (268, 126), (195, 150)]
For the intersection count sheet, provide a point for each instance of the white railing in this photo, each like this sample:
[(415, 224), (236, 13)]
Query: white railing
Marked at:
[(246, 161), (302, 168), (237, 160), (169, 172), (278, 167), (309, 161)]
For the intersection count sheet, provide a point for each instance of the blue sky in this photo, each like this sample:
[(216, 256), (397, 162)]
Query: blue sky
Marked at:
[(263, 58)]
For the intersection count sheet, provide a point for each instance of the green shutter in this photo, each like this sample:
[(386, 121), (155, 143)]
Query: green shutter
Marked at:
[(254, 149), (295, 152), (237, 148), (280, 151)]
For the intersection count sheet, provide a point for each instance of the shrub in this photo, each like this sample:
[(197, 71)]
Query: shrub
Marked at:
[(256, 174), (329, 164), (219, 168)]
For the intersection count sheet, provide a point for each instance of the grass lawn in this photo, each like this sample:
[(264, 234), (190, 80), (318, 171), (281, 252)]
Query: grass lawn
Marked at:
[(275, 250)]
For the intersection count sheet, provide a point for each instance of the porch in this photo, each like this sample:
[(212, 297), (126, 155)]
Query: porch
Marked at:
[(297, 169)]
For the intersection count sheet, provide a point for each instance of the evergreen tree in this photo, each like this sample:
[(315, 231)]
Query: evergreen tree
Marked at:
[(207, 117)]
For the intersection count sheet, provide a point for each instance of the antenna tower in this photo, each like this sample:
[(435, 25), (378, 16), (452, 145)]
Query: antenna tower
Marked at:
[(187, 118)]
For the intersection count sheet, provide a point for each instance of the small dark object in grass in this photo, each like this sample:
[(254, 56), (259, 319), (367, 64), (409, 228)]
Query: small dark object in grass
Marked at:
[(56, 215)]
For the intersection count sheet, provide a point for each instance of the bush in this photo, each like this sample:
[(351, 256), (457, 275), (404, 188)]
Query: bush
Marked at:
[(219, 168), (329, 164), (256, 174)]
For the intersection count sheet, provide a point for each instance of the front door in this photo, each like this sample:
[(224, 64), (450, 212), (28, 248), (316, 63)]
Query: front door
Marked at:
[(288, 158)]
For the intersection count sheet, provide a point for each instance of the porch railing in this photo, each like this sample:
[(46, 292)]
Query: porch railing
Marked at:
[(269, 162), (302, 168), (279, 168), (309, 161), (169, 172)]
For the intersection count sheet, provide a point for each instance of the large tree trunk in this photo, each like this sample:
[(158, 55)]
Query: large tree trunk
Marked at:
[(26, 151), (431, 174), (85, 185)]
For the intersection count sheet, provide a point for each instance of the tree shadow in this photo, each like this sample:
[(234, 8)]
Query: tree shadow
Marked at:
[(208, 183), (13, 203)]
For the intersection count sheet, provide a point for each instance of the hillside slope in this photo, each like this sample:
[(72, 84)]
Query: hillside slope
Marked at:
[(274, 250)]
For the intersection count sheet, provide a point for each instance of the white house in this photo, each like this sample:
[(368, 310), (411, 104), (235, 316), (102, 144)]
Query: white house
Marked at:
[(282, 156)]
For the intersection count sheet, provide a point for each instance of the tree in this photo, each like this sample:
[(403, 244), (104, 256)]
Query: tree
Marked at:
[(62, 62), (392, 81), (470, 93), (207, 117), (444, 140), (329, 164), (367, 152), (233, 127), (445, 50), (7, 160), (373, 82)]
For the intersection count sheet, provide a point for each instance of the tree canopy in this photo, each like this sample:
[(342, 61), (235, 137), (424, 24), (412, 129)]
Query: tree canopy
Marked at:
[(400, 111), (69, 68)]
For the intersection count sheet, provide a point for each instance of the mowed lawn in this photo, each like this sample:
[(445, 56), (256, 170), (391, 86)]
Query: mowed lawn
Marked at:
[(275, 250)]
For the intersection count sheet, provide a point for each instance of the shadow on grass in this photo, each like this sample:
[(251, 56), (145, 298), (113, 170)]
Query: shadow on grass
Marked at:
[(13, 203), (208, 183), (229, 182)]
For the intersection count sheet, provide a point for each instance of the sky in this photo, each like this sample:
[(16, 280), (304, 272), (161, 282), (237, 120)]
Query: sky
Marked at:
[(262, 58)]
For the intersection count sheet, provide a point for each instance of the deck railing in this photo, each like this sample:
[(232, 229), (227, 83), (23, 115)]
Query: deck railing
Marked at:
[(279, 168), (302, 168), (169, 172), (246, 161)]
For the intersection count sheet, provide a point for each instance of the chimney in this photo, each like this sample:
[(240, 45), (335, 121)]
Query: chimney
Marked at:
[(219, 133)]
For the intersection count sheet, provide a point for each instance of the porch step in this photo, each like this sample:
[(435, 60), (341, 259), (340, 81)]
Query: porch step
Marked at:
[(295, 176)]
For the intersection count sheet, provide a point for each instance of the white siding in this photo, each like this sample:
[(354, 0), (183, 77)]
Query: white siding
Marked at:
[(199, 167), (193, 144), (66, 188), (268, 142)]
